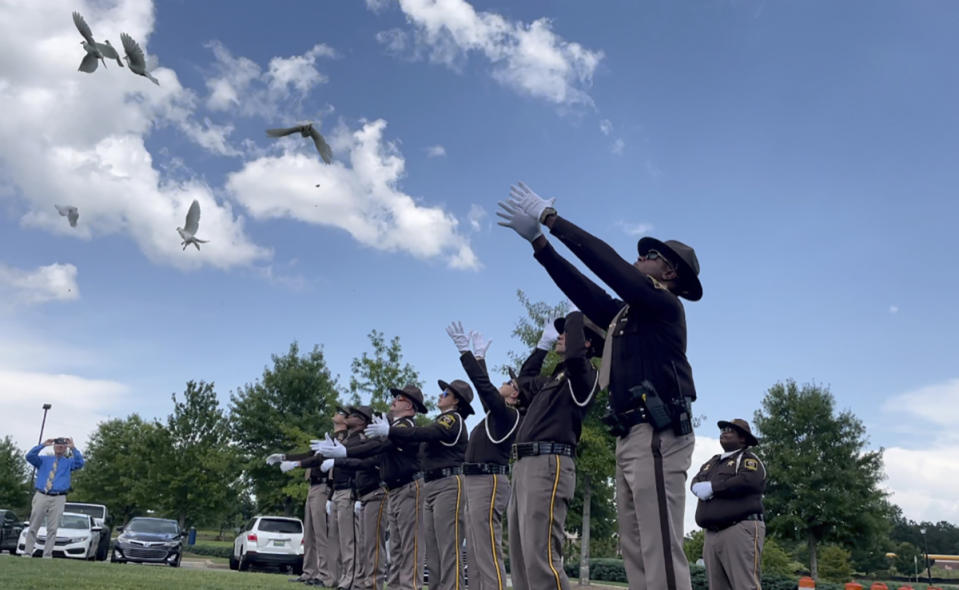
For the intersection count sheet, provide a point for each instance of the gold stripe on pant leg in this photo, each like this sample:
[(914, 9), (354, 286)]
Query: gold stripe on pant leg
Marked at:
[(416, 530), (456, 527), (492, 535), (549, 525), (376, 541)]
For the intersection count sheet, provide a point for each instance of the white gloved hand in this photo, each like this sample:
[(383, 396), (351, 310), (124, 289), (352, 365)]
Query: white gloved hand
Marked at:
[(529, 201), (703, 490), (357, 507), (330, 448), (288, 465), (326, 465), (462, 342), (520, 221), (275, 458), (480, 344), (329, 506), (378, 427), (549, 337)]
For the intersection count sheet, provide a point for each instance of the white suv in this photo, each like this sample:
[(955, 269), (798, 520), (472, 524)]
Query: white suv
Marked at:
[(269, 540)]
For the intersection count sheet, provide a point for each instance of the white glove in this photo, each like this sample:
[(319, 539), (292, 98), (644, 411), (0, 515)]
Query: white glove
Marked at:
[(520, 221), (274, 458), (480, 344), (529, 201), (549, 337), (326, 465), (288, 465), (703, 490), (330, 448), (379, 427), (357, 507), (455, 330), (329, 506)]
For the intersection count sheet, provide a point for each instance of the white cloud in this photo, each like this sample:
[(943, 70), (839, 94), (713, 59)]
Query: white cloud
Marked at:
[(242, 87), (893, 309), (531, 59), (916, 480), (476, 216), (97, 154), (54, 282), (618, 146), (606, 126), (635, 229), (435, 151), (937, 403), (363, 199)]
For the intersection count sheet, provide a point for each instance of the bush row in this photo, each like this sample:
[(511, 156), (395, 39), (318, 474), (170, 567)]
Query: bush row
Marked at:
[(213, 550)]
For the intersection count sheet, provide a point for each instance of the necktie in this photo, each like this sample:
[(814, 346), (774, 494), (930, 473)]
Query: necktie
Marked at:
[(53, 473), (604, 366)]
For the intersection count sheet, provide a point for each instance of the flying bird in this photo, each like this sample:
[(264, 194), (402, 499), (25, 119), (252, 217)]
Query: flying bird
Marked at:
[(134, 57), (188, 233), (307, 130), (96, 52), (69, 212)]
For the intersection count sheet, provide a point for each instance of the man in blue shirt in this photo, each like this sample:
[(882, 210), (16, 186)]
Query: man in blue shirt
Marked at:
[(52, 485)]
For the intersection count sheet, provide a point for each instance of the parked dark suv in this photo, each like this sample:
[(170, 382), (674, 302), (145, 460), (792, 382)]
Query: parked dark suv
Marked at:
[(10, 527), (149, 540)]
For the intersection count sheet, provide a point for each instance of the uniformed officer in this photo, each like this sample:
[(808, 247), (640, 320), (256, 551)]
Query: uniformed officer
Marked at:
[(402, 481), (644, 362), (544, 473), (344, 498), (486, 470), (444, 448), (730, 490)]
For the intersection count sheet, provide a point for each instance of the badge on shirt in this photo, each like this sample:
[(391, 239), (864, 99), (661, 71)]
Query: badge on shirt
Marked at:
[(730, 463), (447, 421), (751, 464)]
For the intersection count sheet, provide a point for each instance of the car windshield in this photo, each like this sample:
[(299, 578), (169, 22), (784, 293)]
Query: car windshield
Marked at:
[(157, 527), (74, 521), (94, 511), (280, 525)]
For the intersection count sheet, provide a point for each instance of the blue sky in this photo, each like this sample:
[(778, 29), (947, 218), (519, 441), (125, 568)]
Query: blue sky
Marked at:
[(805, 150)]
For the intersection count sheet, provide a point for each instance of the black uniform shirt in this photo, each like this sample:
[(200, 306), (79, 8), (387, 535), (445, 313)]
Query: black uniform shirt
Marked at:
[(649, 341), (559, 402), (367, 472), (738, 483), (398, 461), (344, 475), (491, 439), (444, 441)]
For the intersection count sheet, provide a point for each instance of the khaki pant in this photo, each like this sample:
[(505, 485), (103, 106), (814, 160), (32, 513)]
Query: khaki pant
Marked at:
[(443, 522), (733, 555), (315, 537), (543, 486), (487, 497), (343, 522), (49, 508), (405, 521), (371, 542), (650, 501)]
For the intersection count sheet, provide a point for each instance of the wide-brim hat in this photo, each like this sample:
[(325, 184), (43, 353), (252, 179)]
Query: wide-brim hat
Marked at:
[(342, 410), (742, 427), (413, 392), (365, 411), (595, 334), (463, 391), (683, 258)]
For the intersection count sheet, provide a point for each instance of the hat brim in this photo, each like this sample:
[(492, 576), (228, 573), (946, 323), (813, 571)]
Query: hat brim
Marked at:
[(751, 440), (342, 410), (420, 406), (465, 408), (596, 339), (689, 285)]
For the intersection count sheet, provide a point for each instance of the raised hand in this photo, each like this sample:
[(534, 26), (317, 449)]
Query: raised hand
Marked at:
[(529, 201), (462, 342), (479, 343)]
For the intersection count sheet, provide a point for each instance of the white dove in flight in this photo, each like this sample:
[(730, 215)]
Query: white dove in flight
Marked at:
[(307, 130), (96, 52), (188, 233), (70, 212), (134, 57)]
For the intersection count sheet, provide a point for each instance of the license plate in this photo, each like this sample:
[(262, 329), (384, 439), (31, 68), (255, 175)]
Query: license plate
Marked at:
[(279, 542)]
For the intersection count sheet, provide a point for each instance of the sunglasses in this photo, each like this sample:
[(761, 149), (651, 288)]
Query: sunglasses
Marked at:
[(728, 429), (657, 255), (445, 393)]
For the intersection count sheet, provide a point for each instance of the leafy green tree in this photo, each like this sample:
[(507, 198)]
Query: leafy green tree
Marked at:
[(823, 484), (693, 545), (834, 565), (776, 560), (15, 474), (201, 468), (290, 404), (373, 376), (121, 469), (908, 559)]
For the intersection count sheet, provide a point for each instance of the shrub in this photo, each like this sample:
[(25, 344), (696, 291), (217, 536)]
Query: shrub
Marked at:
[(209, 549)]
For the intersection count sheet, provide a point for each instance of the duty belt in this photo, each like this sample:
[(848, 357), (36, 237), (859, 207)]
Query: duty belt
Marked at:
[(434, 474), (754, 516), (485, 469), (367, 490), (399, 482), (531, 449)]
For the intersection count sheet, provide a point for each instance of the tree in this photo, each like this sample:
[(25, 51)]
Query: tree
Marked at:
[(373, 376), (693, 545), (835, 566), (120, 469), (290, 404), (823, 484), (775, 559), (201, 468), (908, 559), (15, 474)]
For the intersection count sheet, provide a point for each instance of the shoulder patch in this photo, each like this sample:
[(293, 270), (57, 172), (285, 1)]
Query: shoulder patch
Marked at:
[(447, 421), (750, 464)]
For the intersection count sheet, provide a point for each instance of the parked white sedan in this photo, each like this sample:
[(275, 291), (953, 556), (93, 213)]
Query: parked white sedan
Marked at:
[(77, 537), (269, 541)]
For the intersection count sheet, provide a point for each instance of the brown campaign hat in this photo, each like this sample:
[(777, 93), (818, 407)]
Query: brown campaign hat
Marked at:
[(681, 256), (365, 411), (414, 394), (742, 427), (595, 334), (463, 391)]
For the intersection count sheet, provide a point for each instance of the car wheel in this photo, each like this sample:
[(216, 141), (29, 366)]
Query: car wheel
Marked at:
[(234, 564), (244, 564), (102, 551), (177, 562)]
